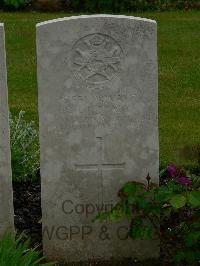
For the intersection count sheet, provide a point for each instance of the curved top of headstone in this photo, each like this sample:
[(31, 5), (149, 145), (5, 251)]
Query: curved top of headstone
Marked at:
[(93, 16)]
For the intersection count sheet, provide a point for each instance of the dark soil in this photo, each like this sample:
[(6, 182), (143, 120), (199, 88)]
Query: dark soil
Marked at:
[(27, 205)]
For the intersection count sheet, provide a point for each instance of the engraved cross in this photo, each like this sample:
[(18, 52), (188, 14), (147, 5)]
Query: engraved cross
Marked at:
[(101, 165)]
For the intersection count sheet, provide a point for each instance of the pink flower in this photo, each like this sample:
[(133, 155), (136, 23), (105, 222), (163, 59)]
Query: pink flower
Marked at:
[(171, 170), (185, 181)]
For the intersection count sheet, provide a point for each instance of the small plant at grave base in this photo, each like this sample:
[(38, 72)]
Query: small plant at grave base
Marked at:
[(18, 252), (24, 149), (169, 212)]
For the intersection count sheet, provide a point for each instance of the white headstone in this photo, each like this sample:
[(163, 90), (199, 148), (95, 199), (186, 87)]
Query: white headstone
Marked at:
[(97, 78), (6, 199)]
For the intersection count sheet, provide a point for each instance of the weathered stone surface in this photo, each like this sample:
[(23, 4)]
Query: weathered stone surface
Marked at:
[(6, 200), (97, 78)]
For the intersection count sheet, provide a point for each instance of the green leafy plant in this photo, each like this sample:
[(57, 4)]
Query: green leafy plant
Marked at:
[(24, 149), (169, 212), (18, 252)]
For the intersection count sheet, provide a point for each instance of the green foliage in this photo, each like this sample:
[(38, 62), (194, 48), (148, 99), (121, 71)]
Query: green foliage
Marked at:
[(24, 149), (195, 181), (16, 4), (174, 205), (113, 6), (18, 252), (139, 230), (178, 201), (128, 5), (194, 199)]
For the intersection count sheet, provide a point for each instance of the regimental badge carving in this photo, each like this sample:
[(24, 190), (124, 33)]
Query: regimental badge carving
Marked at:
[(96, 59)]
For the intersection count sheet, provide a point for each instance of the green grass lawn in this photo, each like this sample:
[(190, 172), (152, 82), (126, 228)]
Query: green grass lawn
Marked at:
[(179, 74)]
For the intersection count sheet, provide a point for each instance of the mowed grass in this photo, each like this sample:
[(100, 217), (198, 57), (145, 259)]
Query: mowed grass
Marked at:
[(179, 74)]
